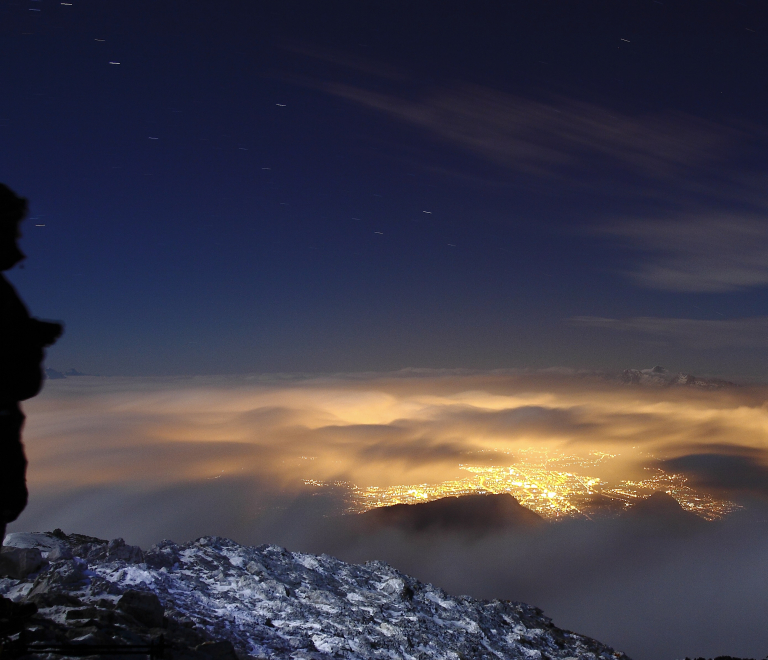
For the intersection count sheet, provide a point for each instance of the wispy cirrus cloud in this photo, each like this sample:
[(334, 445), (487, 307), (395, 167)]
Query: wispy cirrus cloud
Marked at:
[(697, 253), (696, 333), (667, 162), (553, 137), (558, 138)]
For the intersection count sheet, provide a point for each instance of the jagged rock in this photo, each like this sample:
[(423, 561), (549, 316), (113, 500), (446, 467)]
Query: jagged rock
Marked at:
[(229, 602), (44, 599), (117, 549), (98, 586), (144, 606), (91, 551), (163, 555), (73, 539), (82, 613), (68, 574), (59, 552), (255, 568), (19, 562)]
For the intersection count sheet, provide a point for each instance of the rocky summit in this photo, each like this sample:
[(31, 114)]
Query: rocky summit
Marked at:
[(215, 599)]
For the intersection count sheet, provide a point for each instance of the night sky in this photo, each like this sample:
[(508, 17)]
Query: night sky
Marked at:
[(249, 187), (361, 242)]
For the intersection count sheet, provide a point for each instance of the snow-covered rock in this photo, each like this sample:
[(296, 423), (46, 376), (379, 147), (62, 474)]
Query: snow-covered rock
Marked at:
[(272, 603)]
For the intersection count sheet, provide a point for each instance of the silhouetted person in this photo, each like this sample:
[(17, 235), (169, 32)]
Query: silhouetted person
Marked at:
[(22, 339)]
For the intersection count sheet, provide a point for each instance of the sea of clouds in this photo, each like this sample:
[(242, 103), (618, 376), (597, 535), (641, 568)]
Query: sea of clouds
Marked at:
[(146, 459)]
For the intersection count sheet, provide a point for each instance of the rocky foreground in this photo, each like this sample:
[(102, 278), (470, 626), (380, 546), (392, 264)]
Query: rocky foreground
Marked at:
[(214, 599)]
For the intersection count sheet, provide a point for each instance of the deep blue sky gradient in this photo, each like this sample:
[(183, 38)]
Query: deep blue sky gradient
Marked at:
[(168, 248)]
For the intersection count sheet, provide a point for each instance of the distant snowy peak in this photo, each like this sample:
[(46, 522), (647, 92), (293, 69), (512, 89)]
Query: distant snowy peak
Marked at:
[(660, 377), (272, 603)]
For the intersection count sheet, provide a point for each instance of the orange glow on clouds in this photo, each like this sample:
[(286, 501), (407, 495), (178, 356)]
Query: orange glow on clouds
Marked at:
[(370, 430)]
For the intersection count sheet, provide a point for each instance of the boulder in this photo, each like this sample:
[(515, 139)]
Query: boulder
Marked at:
[(17, 563)]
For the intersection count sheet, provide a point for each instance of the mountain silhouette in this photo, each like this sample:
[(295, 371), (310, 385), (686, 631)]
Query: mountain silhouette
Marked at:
[(662, 509), (475, 513)]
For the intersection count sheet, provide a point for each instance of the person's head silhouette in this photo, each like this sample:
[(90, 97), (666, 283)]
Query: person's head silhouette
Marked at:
[(22, 340), (13, 210)]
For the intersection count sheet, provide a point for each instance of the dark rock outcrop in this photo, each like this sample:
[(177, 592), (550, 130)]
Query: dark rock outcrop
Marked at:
[(468, 513), (19, 562)]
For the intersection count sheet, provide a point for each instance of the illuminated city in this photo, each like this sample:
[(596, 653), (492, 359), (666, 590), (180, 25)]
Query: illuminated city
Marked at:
[(553, 485)]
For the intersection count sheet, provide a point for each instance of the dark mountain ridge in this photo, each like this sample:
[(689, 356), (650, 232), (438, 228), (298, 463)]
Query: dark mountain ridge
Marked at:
[(469, 513), (489, 513)]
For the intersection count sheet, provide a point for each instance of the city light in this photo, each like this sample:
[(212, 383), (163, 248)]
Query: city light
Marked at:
[(556, 486)]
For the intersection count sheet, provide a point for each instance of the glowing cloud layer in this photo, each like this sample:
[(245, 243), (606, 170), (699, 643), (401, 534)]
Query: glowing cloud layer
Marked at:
[(146, 436)]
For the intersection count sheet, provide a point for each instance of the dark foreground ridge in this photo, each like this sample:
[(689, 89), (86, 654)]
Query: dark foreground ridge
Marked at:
[(213, 599), (59, 606)]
